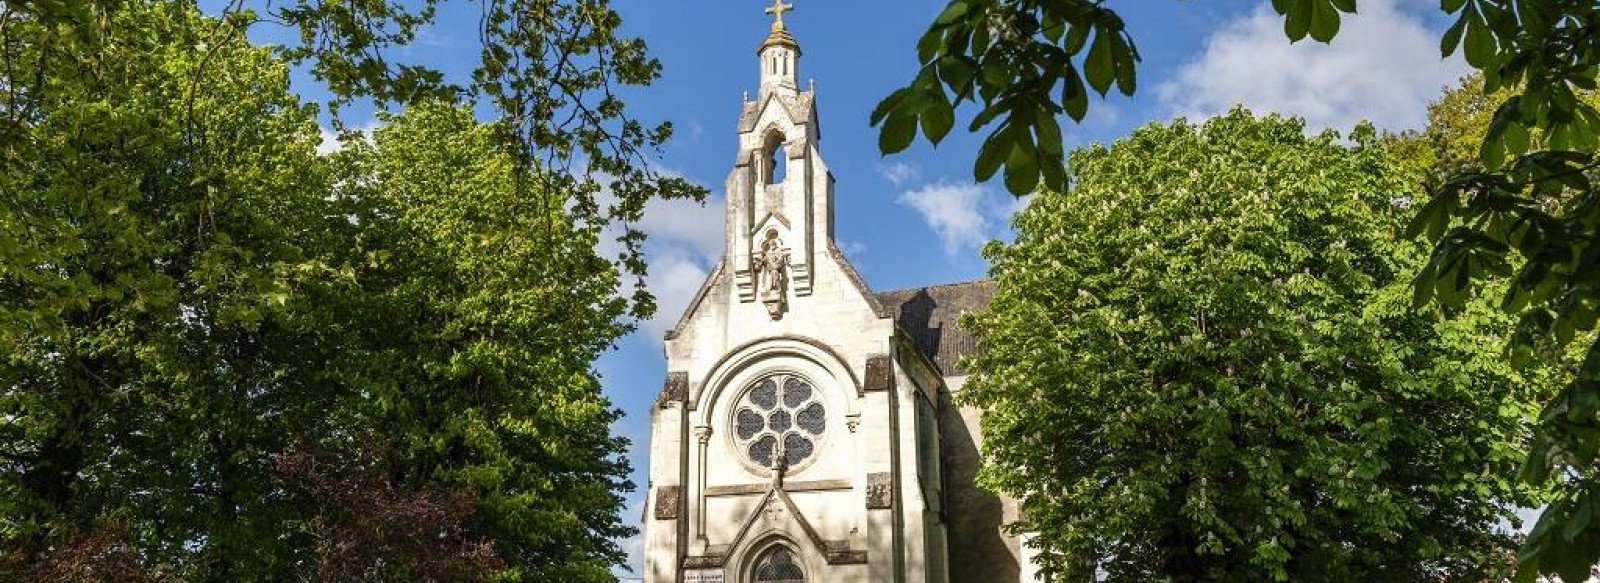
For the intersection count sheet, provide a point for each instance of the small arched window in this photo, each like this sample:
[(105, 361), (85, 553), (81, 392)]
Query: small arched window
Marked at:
[(777, 159), (777, 565), (780, 165)]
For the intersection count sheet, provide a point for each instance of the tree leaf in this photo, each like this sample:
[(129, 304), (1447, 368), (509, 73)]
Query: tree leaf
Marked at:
[(937, 119), (1099, 67), (992, 153), (897, 133), (1324, 20)]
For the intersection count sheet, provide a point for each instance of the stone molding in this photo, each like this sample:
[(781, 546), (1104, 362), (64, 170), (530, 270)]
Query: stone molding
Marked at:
[(738, 352), (705, 562), (788, 485), (669, 502), (846, 557)]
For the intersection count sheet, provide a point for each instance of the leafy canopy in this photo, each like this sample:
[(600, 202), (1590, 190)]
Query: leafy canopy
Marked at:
[(217, 347), (1526, 209), (1023, 63), (1231, 384)]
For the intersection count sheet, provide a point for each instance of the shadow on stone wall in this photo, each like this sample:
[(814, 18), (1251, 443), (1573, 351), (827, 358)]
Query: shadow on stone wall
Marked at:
[(916, 319), (979, 551)]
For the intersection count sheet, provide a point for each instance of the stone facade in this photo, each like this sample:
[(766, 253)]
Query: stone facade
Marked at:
[(805, 431)]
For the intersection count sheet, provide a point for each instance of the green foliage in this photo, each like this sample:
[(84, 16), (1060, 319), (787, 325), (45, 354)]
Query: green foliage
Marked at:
[(1024, 63), (150, 239), (551, 69), (1233, 386), (1526, 202), (1532, 222), (484, 313), (188, 292)]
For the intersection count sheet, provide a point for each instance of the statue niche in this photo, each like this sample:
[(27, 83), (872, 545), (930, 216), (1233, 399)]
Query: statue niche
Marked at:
[(771, 266)]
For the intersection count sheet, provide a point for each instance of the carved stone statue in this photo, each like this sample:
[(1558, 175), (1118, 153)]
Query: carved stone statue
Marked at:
[(771, 263)]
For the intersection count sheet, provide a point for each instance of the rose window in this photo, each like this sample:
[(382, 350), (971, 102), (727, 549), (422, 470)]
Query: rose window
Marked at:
[(779, 419)]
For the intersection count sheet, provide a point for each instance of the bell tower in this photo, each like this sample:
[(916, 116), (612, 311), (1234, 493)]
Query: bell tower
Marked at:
[(780, 54), (798, 435), (780, 194)]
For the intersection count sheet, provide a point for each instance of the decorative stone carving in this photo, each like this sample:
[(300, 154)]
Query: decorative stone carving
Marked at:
[(669, 501), (852, 421), (771, 264), (702, 433), (878, 371), (880, 491), (774, 511)]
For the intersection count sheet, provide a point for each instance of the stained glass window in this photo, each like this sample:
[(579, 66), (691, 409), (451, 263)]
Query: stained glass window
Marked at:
[(796, 448), (765, 395), (778, 566), (779, 421), (780, 417), (795, 392), (749, 424), (811, 419), (761, 450)]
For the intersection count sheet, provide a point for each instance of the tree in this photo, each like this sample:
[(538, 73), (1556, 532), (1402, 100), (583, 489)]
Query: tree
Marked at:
[(1234, 386), (1023, 63), (193, 303), (149, 239), (1529, 221), (1531, 203), (486, 314)]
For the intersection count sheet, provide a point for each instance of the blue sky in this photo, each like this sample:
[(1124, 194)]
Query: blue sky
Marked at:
[(917, 218)]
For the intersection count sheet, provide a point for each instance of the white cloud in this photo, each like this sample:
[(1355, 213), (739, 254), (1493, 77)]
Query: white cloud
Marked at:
[(684, 239), (330, 139), (632, 546), (687, 223), (1384, 66), (852, 249), (675, 275), (954, 211), (899, 172)]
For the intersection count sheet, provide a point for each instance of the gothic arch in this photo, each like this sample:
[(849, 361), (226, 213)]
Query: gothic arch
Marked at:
[(777, 562), (767, 351), (774, 157), (747, 557)]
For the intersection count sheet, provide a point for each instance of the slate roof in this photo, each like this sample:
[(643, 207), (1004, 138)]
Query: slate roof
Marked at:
[(928, 315)]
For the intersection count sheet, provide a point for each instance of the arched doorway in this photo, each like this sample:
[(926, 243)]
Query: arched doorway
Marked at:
[(777, 565)]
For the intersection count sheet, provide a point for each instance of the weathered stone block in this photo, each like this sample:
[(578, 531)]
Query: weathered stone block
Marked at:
[(880, 491), (669, 502)]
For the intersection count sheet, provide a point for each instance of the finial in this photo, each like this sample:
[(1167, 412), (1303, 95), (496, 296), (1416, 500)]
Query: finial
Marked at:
[(777, 10)]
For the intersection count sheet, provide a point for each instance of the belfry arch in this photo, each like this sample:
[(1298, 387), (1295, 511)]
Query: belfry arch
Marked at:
[(774, 158)]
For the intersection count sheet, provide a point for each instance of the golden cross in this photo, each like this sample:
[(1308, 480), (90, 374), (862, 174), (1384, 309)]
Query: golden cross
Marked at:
[(777, 10)]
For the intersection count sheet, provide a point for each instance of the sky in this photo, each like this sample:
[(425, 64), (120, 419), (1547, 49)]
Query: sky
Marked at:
[(917, 218)]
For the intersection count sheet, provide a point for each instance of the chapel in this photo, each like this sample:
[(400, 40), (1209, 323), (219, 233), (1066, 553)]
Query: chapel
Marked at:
[(806, 430)]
